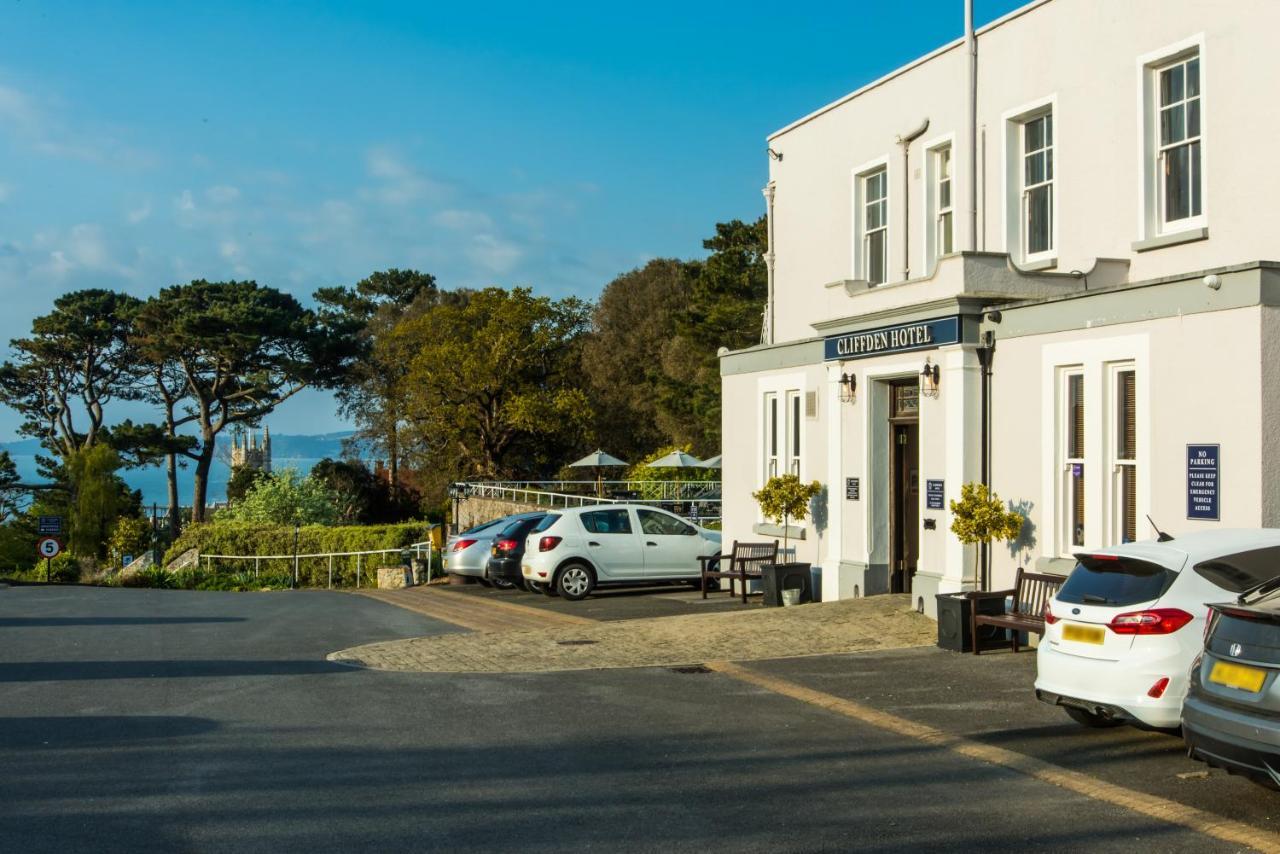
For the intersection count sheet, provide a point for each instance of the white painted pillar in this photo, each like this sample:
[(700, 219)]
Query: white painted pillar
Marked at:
[(834, 414), (961, 398)]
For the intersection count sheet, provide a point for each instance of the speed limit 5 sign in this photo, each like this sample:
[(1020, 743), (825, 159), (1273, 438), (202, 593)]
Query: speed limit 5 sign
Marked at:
[(48, 547)]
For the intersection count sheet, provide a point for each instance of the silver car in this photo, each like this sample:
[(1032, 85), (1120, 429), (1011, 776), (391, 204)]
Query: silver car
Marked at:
[(467, 553)]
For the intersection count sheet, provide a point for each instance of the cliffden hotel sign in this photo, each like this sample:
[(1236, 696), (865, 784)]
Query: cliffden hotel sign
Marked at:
[(924, 335)]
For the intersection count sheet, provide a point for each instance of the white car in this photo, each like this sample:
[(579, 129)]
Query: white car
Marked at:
[(573, 551), (1122, 631)]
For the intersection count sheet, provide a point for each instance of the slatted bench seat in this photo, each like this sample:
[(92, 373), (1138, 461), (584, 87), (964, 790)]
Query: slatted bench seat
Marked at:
[(744, 561), (1031, 592)]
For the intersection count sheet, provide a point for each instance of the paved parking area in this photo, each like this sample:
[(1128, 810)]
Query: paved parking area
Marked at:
[(170, 720), (619, 603)]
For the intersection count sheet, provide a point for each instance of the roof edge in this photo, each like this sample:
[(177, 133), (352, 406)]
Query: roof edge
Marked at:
[(903, 69)]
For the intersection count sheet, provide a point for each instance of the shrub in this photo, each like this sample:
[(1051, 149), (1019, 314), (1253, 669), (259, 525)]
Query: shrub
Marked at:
[(784, 498), (130, 536), (237, 538), (283, 498)]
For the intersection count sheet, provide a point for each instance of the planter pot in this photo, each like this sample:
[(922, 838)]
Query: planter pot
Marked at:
[(786, 576)]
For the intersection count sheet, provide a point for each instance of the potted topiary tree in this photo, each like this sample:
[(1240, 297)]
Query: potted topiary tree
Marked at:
[(782, 499), (981, 517)]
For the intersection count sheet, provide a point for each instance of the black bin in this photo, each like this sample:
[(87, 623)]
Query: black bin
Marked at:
[(954, 627), (777, 577)]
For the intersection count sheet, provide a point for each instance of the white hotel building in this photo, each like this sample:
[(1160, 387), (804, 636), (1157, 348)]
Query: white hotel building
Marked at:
[(1075, 245)]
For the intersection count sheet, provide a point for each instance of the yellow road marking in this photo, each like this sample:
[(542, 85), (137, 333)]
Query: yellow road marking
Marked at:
[(478, 615), (1163, 809)]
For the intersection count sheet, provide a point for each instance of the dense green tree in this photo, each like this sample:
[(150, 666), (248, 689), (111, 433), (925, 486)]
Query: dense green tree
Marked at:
[(241, 481), (632, 327), (98, 498), (496, 386), (78, 358), (243, 349), (284, 498), (363, 497), (724, 309), (373, 392)]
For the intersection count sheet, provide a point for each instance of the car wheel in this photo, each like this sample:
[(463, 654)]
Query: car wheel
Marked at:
[(548, 590), (575, 582), (1089, 719), (502, 583), (532, 586), (484, 582)]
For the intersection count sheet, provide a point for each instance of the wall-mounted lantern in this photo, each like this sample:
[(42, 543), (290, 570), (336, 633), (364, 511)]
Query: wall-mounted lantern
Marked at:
[(848, 388), (929, 379)]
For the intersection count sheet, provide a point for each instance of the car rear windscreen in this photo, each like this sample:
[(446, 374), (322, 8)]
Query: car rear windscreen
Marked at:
[(547, 521), (490, 526), (1107, 580), (1243, 570)]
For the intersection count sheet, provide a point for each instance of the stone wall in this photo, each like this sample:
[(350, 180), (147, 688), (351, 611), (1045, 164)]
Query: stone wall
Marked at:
[(476, 511)]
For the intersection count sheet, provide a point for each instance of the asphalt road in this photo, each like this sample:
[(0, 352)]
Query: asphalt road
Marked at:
[(169, 720)]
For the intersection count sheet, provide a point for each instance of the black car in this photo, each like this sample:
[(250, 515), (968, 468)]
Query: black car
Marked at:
[(1231, 717), (503, 568)]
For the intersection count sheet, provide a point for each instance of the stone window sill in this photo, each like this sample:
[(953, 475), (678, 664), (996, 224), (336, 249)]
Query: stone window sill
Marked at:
[(1191, 235), (793, 532)]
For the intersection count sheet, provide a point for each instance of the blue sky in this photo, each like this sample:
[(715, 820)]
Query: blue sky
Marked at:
[(307, 144)]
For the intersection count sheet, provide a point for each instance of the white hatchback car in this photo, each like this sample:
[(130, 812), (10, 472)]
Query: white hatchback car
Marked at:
[(573, 551), (1122, 631)]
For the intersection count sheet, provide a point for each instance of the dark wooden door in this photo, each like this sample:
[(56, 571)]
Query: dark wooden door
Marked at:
[(906, 505)]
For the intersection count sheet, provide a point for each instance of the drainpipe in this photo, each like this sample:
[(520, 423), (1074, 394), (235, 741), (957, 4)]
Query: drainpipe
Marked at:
[(971, 118), (767, 336), (905, 142)]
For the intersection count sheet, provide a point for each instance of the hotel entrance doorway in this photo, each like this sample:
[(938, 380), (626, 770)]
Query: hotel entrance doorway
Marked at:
[(904, 484)]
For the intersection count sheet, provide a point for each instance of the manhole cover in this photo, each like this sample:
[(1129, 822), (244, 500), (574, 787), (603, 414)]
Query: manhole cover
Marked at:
[(575, 643), (697, 668)]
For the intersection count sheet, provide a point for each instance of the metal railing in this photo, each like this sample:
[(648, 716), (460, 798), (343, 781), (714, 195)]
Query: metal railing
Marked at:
[(656, 490), (417, 549), (695, 505)]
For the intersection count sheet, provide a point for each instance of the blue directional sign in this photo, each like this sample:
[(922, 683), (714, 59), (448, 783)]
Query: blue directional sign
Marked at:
[(1203, 481)]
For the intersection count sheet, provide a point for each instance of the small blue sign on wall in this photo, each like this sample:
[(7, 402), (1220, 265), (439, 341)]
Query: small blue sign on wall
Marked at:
[(934, 494), (1203, 484)]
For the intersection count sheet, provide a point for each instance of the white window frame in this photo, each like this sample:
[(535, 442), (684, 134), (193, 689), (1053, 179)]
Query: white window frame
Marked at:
[(1094, 352), (1014, 189), (1067, 484), (932, 197), (1151, 220), (1116, 462), (794, 433), (860, 265), (772, 435)]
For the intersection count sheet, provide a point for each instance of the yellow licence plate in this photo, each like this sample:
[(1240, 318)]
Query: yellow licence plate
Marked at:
[(1084, 634), (1237, 676)]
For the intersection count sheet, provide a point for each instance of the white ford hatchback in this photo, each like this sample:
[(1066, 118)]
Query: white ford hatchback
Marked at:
[(573, 551), (1122, 631)]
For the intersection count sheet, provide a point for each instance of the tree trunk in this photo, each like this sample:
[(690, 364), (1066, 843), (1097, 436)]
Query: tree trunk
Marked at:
[(175, 525), (201, 479)]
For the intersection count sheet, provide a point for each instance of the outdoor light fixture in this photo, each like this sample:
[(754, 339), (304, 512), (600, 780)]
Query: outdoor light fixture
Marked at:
[(929, 379), (848, 388)]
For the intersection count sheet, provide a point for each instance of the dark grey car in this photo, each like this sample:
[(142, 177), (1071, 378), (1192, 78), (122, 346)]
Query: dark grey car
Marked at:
[(1231, 717)]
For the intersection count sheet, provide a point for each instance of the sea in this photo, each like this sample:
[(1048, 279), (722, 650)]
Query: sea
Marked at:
[(152, 482)]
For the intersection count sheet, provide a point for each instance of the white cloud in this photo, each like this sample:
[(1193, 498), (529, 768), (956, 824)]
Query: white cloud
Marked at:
[(5, 192), (462, 220), (229, 249), (140, 214), (398, 183), (185, 202), (222, 194), (493, 254)]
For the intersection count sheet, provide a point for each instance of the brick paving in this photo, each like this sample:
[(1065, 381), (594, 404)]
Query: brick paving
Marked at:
[(880, 622)]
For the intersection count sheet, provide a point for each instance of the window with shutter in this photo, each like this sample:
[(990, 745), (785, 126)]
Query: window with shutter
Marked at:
[(1073, 462), (1126, 451)]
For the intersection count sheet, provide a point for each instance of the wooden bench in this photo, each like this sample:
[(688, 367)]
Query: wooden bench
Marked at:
[(1031, 592), (745, 560)]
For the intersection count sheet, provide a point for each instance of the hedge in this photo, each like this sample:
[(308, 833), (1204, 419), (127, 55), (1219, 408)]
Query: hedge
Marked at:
[(244, 538)]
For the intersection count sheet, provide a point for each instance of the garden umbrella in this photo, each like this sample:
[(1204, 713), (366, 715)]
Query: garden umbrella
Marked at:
[(598, 460), (676, 460), (713, 463)]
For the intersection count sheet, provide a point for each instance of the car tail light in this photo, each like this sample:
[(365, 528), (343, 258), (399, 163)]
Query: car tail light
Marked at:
[(1208, 625), (1159, 621), (462, 544), (546, 544), (1156, 691), (1049, 619), (506, 545)]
